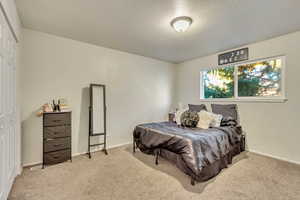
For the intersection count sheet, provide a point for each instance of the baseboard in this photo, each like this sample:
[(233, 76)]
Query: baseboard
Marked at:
[(77, 154), (119, 145), (33, 164), (100, 149), (275, 157)]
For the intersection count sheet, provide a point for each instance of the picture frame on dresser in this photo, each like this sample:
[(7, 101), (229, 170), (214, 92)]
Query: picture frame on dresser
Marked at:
[(57, 137)]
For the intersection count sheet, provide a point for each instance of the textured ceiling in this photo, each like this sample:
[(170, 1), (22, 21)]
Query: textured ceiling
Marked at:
[(142, 26)]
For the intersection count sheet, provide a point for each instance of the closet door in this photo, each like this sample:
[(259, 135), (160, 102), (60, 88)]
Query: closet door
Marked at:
[(2, 119), (8, 168), (10, 105)]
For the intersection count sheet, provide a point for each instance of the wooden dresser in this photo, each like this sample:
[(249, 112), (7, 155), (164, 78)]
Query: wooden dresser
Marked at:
[(57, 141)]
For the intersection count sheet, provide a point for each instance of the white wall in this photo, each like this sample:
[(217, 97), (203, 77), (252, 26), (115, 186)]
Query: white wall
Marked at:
[(139, 89), (272, 128)]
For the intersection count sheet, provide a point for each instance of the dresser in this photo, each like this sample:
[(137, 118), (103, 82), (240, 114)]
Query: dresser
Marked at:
[(57, 140)]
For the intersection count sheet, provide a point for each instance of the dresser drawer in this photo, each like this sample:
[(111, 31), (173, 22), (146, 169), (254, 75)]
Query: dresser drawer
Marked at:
[(57, 119), (57, 157), (57, 144), (57, 131)]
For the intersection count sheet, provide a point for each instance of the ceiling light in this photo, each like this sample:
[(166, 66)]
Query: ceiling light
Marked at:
[(181, 24)]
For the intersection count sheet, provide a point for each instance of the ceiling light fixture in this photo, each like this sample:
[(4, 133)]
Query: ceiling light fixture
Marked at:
[(181, 24)]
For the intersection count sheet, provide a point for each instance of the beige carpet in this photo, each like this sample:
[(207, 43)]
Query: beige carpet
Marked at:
[(125, 176)]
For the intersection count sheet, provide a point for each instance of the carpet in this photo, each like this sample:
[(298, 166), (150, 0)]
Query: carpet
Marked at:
[(126, 176)]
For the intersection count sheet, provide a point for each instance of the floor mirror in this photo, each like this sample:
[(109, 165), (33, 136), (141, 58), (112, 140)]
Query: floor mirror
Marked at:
[(97, 118)]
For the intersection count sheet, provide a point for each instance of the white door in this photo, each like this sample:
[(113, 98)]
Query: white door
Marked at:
[(8, 164)]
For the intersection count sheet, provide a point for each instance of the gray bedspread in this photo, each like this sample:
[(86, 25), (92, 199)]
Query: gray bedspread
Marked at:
[(196, 149)]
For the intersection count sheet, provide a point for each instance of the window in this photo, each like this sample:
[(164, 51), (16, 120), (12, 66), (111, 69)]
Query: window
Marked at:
[(219, 83), (254, 80)]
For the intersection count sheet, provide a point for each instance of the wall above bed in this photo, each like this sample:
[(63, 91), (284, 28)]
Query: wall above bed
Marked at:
[(272, 128)]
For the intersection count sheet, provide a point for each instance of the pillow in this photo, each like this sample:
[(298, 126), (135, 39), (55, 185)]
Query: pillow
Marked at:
[(205, 119), (217, 119), (178, 114), (229, 110), (197, 108), (189, 118), (229, 121), (208, 119)]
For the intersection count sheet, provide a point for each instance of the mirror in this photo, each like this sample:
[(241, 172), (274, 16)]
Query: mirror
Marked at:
[(97, 109)]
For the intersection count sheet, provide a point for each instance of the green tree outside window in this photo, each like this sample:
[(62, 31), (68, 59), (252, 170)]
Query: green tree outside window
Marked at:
[(259, 79)]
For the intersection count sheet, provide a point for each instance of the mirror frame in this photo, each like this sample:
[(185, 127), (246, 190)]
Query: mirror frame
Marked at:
[(91, 133)]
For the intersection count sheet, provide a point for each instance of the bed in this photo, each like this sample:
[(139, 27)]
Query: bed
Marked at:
[(199, 153)]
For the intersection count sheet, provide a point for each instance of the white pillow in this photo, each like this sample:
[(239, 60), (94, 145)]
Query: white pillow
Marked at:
[(204, 119), (207, 119), (178, 114), (217, 120)]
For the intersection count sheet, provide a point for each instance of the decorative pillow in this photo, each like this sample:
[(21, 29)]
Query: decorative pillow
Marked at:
[(229, 121), (178, 114), (217, 119), (205, 119), (189, 118), (208, 119), (197, 108), (229, 110)]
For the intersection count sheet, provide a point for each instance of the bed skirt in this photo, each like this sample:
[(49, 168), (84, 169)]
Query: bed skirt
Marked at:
[(207, 172)]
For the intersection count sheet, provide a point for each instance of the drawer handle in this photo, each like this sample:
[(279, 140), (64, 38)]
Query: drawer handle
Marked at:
[(57, 120), (57, 145), (49, 139), (55, 157)]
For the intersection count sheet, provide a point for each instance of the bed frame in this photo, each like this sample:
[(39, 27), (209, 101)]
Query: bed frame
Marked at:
[(158, 152)]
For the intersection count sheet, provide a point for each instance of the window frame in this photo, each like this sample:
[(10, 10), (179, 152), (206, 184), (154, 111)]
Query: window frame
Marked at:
[(281, 98)]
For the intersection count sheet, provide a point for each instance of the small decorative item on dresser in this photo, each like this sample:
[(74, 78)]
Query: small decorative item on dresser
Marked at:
[(63, 105), (171, 117), (57, 138), (45, 108), (55, 106)]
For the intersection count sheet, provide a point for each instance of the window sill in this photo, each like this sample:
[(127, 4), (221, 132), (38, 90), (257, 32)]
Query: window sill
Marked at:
[(249, 100)]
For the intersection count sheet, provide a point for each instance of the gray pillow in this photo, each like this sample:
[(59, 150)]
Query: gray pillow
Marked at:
[(228, 110), (197, 108)]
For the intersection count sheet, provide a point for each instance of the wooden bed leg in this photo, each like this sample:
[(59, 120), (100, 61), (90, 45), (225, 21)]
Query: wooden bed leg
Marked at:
[(192, 182)]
